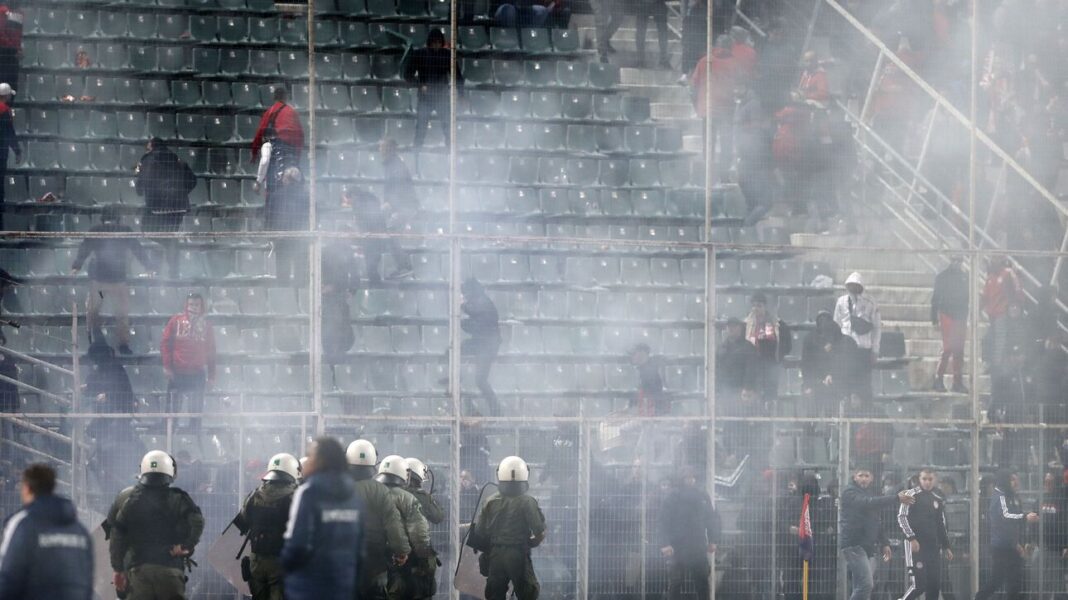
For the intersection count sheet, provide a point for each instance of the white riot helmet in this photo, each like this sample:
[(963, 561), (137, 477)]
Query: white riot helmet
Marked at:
[(157, 468), (417, 472), (393, 471), (513, 476), (362, 453), (283, 467)]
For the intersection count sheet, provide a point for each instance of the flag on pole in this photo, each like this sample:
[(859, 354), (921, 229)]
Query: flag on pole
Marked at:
[(804, 531)]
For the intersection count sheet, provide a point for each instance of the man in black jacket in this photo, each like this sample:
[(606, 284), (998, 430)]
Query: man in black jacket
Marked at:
[(165, 182), (107, 390), (949, 311), (827, 358), (924, 526), (861, 530), (481, 322), (46, 552), (737, 362), (9, 140), (107, 273), (690, 527), (429, 68)]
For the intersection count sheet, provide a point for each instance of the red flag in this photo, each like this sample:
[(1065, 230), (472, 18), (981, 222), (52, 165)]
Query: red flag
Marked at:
[(804, 531)]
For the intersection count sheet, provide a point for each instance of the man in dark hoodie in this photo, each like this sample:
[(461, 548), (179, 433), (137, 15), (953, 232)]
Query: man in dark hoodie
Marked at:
[(826, 372), (428, 68), (482, 322), (737, 362), (107, 390), (263, 520), (690, 529), (651, 399), (949, 311), (1006, 518), (321, 551), (46, 552), (107, 272), (861, 530), (165, 182)]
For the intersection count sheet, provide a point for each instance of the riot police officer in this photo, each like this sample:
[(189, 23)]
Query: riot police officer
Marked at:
[(393, 473), (384, 538), (509, 525), (422, 572), (153, 529), (263, 520)]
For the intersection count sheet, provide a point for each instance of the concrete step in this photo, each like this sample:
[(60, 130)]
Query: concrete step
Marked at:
[(905, 312), (637, 78), (921, 376), (918, 279), (670, 111), (928, 348), (919, 329), (898, 294)]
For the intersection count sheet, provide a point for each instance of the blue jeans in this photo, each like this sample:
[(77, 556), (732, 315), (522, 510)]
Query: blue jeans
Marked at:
[(861, 568), (508, 15)]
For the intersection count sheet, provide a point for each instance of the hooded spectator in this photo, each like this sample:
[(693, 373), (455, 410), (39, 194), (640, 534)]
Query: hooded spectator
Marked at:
[(165, 182), (737, 363), (107, 272), (827, 369), (949, 312), (188, 353), (858, 317)]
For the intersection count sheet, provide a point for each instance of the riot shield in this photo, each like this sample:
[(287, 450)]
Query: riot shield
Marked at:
[(467, 579), (225, 557)]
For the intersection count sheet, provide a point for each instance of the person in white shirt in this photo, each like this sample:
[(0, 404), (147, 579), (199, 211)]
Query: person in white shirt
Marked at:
[(858, 316)]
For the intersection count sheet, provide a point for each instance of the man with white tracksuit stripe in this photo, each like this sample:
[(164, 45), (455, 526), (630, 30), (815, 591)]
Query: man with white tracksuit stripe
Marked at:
[(924, 526)]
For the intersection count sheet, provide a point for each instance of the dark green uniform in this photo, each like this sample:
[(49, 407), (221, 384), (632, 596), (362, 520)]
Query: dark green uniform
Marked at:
[(263, 519), (418, 533), (144, 523), (420, 574), (383, 537), (509, 526)]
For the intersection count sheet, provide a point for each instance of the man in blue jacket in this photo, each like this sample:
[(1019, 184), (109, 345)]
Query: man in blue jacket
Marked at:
[(1006, 518), (861, 530), (322, 539), (45, 552)]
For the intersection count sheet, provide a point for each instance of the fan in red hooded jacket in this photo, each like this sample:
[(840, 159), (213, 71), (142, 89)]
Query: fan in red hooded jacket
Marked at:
[(285, 122), (10, 42), (188, 351)]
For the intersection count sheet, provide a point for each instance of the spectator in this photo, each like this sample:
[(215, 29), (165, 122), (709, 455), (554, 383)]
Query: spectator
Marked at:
[(284, 120), (165, 182), (107, 390), (873, 441), (752, 150), (690, 529), (107, 273), (11, 19), (340, 279), (286, 208), (737, 363), (694, 36), (949, 311), (608, 14), (481, 322), (926, 537), (521, 14), (827, 369), (1012, 402), (718, 107), (188, 352), (745, 56), (429, 69), (651, 399), (861, 530), (1007, 520), (657, 11), (373, 216), (1001, 290), (1051, 533), (772, 340), (858, 317), (813, 86), (9, 140)]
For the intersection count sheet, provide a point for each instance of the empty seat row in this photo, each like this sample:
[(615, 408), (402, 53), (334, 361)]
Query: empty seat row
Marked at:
[(762, 273), (374, 8), (539, 73)]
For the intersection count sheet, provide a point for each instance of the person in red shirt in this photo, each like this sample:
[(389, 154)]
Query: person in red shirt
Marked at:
[(813, 85), (188, 351), (285, 121), (1001, 290), (10, 42), (719, 104), (745, 56)]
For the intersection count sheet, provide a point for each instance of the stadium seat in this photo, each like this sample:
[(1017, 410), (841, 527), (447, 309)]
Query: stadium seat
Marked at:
[(100, 89), (792, 309), (504, 39), (354, 34), (112, 57), (756, 273), (728, 273), (535, 41), (608, 139), (477, 71), (155, 92), (550, 137), (185, 93), (385, 66), (636, 109), (603, 76), (173, 27), (640, 139), (172, 59), (112, 24), (225, 192), (293, 63), (263, 62), (613, 173), (520, 136), (508, 72), (577, 105), (607, 107), (104, 157), (190, 127)]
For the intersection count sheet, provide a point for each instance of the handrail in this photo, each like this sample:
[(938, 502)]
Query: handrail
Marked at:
[(36, 428), (948, 106), (35, 390), (36, 361)]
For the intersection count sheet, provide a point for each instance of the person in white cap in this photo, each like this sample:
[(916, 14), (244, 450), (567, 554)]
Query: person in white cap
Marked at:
[(9, 140), (858, 316)]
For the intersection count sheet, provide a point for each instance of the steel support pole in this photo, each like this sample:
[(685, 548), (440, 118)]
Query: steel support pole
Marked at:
[(974, 270)]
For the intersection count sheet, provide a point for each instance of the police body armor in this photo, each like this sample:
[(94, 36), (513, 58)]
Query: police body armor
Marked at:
[(150, 523), (267, 524)]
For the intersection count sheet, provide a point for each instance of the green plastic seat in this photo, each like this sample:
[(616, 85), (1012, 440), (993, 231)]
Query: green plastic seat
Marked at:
[(540, 73), (535, 41), (576, 105), (191, 127), (473, 37), (82, 23), (208, 61), (104, 157), (326, 32), (508, 72), (226, 192), (356, 67), (610, 139), (51, 21), (396, 100), (385, 66), (504, 39), (293, 63), (204, 28), (354, 33), (143, 58), (483, 103), (636, 109), (103, 124), (412, 8), (73, 156), (141, 26), (172, 27), (328, 65), (401, 130), (335, 129), (607, 107), (365, 98), (245, 94), (234, 30), (369, 131), (668, 139), (416, 34), (128, 91), (172, 59), (571, 74), (515, 104), (334, 97), (185, 93), (519, 136), (247, 125), (477, 70), (100, 89), (613, 173), (382, 8), (112, 24), (644, 173), (352, 7), (299, 95), (130, 125), (69, 85), (385, 35), (161, 125), (41, 155), (545, 105), (44, 121), (73, 123), (582, 138), (155, 92), (217, 93), (235, 61), (112, 56), (641, 139), (264, 62), (53, 55), (130, 155), (582, 171), (219, 128), (263, 30), (565, 40), (603, 76), (293, 31), (550, 136), (440, 9), (39, 88)]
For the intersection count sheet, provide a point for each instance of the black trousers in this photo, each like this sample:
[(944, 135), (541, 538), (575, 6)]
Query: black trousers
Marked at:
[(188, 386), (657, 11), (1007, 571), (925, 572), (483, 353), (692, 565), (434, 100)]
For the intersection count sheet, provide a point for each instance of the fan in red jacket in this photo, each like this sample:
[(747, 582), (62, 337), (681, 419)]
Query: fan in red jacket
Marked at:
[(10, 42), (286, 123), (1001, 290), (188, 351), (724, 71)]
